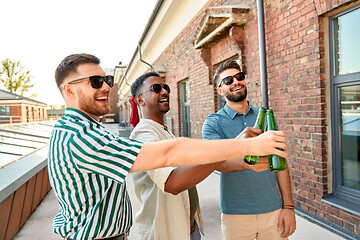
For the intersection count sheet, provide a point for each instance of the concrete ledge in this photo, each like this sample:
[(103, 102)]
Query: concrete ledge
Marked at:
[(23, 185), (13, 176)]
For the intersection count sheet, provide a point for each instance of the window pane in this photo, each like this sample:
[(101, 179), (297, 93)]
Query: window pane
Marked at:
[(185, 108), (350, 136), (347, 39), (4, 111), (222, 101)]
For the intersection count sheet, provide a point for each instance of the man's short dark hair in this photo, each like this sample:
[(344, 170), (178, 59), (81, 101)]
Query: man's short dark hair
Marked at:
[(222, 67), (139, 82), (70, 63)]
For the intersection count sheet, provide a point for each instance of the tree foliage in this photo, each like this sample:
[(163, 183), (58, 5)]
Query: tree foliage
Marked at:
[(14, 77)]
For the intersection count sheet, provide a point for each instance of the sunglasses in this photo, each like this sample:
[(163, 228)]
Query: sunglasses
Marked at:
[(96, 81), (157, 87), (230, 79)]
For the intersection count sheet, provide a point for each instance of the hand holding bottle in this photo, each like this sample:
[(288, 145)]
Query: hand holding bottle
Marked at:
[(276, 162), (259, 124), (268, 143), (249, 132)]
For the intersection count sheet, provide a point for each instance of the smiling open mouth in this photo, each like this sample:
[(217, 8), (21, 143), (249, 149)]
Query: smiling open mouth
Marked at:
[(102, 99), (162, 100), (237, 88)]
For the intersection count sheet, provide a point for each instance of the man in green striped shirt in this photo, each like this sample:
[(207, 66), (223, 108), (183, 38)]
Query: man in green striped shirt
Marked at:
[(88, 165)]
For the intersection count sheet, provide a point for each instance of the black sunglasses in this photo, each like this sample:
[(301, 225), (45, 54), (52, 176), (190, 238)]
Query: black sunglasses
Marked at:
[(230, 79), (157, 87), (96, 81)]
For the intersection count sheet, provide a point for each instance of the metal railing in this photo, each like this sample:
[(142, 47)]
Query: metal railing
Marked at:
[(22, 119)]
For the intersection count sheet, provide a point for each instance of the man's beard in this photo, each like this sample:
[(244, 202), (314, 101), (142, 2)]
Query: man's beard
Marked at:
[(236, 98), (88, 105), (94, 110)]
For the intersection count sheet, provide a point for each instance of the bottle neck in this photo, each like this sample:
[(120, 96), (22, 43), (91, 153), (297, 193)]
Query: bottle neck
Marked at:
[(270, 119)]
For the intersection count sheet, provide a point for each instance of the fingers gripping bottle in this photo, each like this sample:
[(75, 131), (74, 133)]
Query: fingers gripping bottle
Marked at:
[(276, 163), (249, 159)]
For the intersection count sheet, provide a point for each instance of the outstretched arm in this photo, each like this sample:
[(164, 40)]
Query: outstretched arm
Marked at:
[(233, 165), (186, 152), (183, 178)]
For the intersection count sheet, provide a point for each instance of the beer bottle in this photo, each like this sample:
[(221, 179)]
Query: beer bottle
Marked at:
[(249, 159), (276, 163)]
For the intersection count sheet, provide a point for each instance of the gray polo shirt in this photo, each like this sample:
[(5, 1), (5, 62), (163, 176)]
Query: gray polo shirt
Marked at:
[(241, 192)]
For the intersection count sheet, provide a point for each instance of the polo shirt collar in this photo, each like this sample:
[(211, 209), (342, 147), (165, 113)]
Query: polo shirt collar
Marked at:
[(77, 114), (232, 114)]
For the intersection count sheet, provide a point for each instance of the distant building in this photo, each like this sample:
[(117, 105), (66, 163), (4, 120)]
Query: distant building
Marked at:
[(113, 115), (19, 109), (123, 102), (55, 113)]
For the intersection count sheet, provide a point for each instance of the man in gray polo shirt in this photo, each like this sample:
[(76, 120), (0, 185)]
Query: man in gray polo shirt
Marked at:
[(250, 201)]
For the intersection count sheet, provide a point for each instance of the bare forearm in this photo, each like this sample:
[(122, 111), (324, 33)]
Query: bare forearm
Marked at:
[(239, 165), (186, 152), (287, 215), (232, 165), (283, 179), (183, 178)]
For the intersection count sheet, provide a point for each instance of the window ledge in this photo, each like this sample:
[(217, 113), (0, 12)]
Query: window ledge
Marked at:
[(342, 203)]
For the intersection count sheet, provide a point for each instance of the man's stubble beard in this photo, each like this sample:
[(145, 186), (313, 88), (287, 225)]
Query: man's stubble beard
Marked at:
[(236, 98), (89, 105)]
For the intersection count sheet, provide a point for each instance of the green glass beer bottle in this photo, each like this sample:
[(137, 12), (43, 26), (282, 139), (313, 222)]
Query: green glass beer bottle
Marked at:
[(276, 163), (249, 159)]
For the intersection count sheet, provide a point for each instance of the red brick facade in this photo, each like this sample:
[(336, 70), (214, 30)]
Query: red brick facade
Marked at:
[(25, 111), (296, 77)]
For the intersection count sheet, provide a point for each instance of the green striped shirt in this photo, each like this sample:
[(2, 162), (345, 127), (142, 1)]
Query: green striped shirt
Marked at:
[(87, 169)]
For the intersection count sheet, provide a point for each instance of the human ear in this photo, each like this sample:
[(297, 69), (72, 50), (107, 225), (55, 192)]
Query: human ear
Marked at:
[(139, 100), (219, 91), (68, 91)]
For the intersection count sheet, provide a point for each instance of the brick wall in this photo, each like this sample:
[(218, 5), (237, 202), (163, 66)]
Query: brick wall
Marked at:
[(183, 62), (296, 81)]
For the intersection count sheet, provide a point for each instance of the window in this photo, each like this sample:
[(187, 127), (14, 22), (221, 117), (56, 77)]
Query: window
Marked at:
[(27, 114), (221, 101), (4, 111), (4, 114), (345, 104), (32, 113), (185, 108)]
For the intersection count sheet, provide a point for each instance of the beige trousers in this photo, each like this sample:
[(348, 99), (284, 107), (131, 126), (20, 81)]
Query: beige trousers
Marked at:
[(250, 227)]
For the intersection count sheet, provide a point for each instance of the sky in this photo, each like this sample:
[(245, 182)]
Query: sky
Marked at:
[(40, 33)]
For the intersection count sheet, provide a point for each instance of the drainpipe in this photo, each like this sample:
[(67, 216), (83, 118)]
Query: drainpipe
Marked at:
[(139, 50), (262, 50), (147, 29)]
